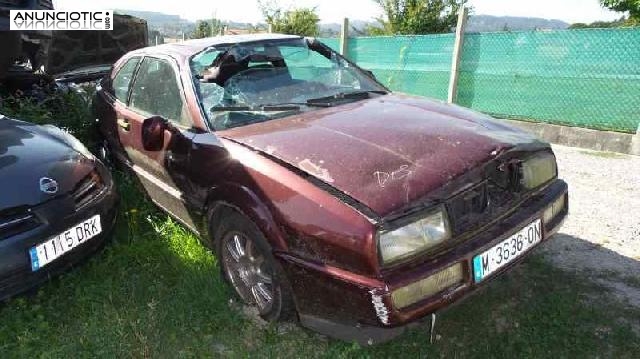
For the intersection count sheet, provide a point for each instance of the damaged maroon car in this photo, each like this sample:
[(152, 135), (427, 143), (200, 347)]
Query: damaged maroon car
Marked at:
[(324, 195)]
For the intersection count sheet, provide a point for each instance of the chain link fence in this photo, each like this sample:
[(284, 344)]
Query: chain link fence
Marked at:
[(588, 78)]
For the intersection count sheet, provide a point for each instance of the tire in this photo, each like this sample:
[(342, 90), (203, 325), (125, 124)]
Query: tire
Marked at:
[(249, 267)]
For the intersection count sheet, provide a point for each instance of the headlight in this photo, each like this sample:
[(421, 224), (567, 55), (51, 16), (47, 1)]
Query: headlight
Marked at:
[(538, 170), (415, 238), (436, 283)]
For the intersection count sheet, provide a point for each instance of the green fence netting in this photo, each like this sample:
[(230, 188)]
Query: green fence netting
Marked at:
[(588, 78), (413, 64)]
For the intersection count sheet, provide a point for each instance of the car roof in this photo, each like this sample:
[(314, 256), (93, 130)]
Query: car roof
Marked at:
[(185, 49)]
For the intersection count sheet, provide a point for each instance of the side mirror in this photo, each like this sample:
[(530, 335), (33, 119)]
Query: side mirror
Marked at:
[(153, 133)]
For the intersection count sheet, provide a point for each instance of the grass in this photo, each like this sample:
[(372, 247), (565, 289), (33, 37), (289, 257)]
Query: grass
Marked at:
[(156, 292)]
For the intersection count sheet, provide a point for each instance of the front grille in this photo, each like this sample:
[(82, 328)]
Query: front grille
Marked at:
[(468, 208), (15, 222), (90, 187), (488, 200)]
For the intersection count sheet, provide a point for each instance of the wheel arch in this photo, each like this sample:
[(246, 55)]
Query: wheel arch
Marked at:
[(233, 197)]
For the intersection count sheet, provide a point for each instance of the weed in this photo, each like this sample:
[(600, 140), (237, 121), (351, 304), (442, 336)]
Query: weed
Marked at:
[(67, 109)]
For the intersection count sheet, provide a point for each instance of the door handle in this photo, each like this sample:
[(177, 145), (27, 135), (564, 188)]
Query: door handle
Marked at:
[(124, 124)]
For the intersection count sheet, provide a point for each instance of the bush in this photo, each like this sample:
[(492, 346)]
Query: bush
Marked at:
[(67, 108)]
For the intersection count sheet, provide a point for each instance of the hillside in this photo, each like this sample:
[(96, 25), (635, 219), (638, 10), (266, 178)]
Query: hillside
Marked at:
[(167, 25), (487, 23), (477, 23), (174, 25)]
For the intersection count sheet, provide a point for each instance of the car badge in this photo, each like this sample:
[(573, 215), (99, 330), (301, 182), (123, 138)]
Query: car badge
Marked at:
[(49, 186)]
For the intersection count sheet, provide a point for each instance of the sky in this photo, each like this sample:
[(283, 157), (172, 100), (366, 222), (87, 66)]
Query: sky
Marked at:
[(332, 11)]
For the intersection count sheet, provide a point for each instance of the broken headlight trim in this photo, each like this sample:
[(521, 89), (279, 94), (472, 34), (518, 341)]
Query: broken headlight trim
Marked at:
[(538, 170), (414, 238)]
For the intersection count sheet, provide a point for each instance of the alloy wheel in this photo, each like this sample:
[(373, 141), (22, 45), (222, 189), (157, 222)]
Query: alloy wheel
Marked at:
[(248, 271)]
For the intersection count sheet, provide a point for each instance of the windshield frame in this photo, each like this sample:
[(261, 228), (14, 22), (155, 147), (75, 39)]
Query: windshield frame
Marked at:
[(313, 44)]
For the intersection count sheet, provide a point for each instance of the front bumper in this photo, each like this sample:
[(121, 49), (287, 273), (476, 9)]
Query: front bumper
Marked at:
[(352, 307), (56, 216)]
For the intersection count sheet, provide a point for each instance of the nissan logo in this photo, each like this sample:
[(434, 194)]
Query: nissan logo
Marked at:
[(49, 186)]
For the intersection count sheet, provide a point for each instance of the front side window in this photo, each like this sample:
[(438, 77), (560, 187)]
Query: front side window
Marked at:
[(122, 80), (253, 82), (156, 92)]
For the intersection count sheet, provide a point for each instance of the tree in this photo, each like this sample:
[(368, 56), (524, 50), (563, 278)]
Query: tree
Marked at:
[(300, 21), (408, 17), (207, 28), (203, 29), (630, 6), (600, 24), (579, 25)]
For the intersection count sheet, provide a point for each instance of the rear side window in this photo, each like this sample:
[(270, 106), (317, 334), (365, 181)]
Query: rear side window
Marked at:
[(122, 80), (156, 92)]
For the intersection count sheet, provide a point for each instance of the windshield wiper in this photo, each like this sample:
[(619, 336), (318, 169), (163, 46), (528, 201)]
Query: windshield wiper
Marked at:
[(341, 96), (326, 101), (232, 108), (285, 106)]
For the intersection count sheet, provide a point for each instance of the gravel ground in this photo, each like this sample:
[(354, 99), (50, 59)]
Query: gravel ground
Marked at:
[(601, 237)]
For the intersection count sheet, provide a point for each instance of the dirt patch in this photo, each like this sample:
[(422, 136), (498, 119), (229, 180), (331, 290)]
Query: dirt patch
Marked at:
[(601, 237)]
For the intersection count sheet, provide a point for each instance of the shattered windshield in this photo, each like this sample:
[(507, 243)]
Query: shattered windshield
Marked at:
[(243, 84)]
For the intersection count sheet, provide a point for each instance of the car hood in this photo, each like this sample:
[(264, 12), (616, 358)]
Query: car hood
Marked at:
[(30, 152), (385, 152)]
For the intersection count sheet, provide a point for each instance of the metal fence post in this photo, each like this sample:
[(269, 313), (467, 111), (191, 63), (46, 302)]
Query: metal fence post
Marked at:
[(457, 55), (635, 143), (344, 36)]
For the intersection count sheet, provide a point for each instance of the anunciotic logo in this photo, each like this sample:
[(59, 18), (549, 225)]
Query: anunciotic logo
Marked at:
[(60, 20)]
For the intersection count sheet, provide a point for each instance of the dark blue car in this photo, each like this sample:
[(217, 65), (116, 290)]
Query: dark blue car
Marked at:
[(57, 204)]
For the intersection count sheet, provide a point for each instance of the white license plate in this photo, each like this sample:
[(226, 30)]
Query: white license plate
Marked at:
[(55, 247), (506, 251)]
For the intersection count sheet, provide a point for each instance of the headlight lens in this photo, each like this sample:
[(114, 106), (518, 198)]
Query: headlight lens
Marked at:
[(415, 292), (415, 238), (538, 170)]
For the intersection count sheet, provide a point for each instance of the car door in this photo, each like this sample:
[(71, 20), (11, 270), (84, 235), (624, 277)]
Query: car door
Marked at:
[(156, 91), (112, 94)]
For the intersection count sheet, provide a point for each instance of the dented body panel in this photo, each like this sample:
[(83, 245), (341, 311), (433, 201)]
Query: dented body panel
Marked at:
[(300, 218), (386, 152), (323, 184)]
